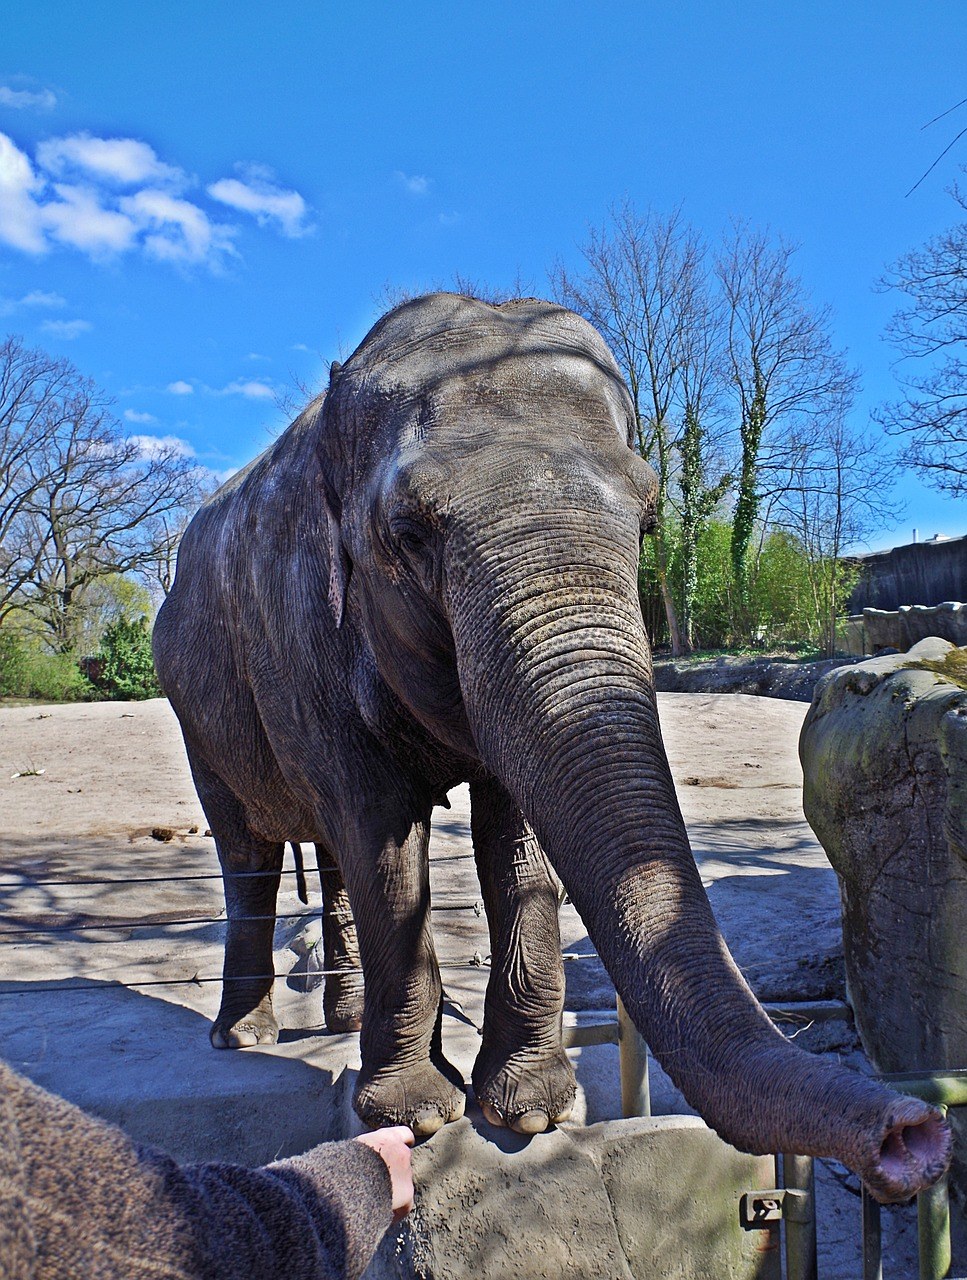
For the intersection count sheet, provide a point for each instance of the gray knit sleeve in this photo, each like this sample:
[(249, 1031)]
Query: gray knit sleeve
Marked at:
[(314, 1217), (79, 1198)]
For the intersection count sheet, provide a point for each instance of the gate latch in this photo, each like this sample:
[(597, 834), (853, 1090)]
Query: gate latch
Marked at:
[(761, 1210)]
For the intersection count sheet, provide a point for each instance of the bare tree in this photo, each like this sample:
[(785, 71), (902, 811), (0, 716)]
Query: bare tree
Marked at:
[(783, 372), (702, 455), (835, 491), (82, 501), (33, 386), (642, 288), (931, 332), (165, 533)]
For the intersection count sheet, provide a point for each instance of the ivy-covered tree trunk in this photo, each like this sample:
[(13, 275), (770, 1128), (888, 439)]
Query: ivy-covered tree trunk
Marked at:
[(691, 484), (661, 541), (754, 418)]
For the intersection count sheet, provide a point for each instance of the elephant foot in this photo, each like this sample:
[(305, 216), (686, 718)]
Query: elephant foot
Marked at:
[(524, 1093), (342, 1003), (419, 1096), (233, 1029)]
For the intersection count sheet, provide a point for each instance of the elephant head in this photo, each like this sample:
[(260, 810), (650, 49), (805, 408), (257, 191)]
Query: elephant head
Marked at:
[(486, 509)]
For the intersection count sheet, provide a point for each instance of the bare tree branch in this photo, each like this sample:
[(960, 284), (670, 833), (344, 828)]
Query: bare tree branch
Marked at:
[(79, 501), (931, 331), (645, 289), (783, 371)]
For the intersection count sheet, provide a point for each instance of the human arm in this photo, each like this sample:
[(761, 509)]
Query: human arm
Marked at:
[(77, 1196)]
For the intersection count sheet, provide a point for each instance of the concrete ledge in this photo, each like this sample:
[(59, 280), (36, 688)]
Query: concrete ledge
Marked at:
[(145, 1064), (624, 1200)]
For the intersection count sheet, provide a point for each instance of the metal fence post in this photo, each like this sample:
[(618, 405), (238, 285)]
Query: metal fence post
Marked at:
[(872, 1238), (633, 1061), (799, 1216), (933, 1228)]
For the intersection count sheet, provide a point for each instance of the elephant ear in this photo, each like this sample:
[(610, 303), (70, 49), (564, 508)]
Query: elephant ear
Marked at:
[(334, 470)]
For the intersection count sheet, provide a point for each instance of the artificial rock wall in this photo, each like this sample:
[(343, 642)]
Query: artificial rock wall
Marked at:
[(876, 629), (884, 755), (920, 573), (643, 1199)]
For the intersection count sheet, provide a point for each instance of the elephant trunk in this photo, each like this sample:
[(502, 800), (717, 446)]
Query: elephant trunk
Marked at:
[(556, 677)]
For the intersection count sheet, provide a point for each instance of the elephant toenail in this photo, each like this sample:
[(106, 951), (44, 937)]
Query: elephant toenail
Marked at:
[(427, 1122), (492, 1115), (530, 1122)]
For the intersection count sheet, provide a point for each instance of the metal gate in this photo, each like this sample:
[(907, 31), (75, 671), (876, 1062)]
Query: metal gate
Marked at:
[(792, 1201)]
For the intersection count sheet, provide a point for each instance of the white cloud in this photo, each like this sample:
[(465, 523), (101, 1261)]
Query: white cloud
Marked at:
[(20, 224), (79, 219), (177, 230), (66, 329), (22, 99), (133, 415), (249, 388), (33, 299), (301, 346), (416, 184), (257, 193), (162, 446), (180, 388), (37, 298), (124, 162), (107, 197)]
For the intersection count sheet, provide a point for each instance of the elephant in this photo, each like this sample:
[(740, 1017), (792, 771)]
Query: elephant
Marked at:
[(431, 578)]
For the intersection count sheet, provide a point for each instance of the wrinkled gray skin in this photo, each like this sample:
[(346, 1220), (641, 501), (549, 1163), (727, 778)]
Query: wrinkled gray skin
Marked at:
[(429, 578)]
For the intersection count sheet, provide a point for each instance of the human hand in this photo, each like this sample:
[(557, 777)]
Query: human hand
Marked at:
[(393, 1145)]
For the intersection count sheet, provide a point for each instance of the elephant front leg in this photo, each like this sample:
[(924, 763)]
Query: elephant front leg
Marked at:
[(342, 1000), (404, 1078), (522, 1076)]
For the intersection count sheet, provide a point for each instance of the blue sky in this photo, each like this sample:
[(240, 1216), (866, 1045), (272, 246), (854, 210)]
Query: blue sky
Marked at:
[(200, 204)]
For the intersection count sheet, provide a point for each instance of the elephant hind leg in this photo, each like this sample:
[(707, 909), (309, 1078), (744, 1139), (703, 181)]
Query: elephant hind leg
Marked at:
[(522, 1076), (342, 1000), (251, 870)]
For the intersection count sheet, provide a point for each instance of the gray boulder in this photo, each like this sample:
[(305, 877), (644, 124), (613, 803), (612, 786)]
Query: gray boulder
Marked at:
[(765, 677)]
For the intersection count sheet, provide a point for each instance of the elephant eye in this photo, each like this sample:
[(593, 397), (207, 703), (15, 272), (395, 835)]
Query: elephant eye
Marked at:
[(409, 536), (411, 541)]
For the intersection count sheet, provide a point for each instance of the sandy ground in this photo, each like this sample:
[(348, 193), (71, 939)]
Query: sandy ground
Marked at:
[(83, 787)]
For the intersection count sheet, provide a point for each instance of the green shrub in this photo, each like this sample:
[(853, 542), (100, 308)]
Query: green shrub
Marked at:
[(26, 671), (126, 665), (13, 664), (785, 610), (56, 677), (714, 622), (792, 601)]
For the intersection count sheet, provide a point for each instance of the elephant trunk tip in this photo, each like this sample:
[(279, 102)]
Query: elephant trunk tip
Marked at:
[(914, 1151)]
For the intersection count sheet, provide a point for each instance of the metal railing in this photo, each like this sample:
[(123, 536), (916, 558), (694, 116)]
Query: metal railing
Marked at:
[(795, 1201), (944, 1089)]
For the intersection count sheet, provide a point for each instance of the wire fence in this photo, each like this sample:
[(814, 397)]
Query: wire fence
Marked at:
[(72, 921), (786, 1011)]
